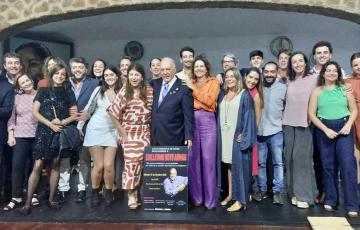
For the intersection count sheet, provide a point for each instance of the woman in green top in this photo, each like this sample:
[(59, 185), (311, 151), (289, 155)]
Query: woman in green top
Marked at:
[(332, 109)]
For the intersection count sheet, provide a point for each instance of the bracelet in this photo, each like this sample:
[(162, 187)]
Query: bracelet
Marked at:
[(64, 121)]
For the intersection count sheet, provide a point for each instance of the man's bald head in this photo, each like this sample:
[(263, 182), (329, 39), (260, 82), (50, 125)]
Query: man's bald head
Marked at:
[(168, 69), (173, 173)]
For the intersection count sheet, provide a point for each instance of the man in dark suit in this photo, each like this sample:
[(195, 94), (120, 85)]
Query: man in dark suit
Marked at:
[(13, 67), (6, 106), (173, 109), (83, 86)]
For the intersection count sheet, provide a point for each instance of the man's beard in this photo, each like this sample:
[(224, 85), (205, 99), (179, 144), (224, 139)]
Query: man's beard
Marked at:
[(268, 81)]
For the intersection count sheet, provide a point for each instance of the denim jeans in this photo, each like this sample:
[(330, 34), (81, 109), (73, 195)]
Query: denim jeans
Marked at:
[(273, 143), (338, 153)]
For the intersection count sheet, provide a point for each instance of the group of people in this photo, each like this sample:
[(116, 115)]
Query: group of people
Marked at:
[(278, 122)]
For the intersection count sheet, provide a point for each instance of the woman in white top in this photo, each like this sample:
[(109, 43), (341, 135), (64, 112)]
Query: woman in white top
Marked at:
[(236, 137), (101, 136)]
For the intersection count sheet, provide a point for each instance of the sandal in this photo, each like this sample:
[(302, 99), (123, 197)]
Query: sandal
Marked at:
[(132, 202), (236, 207), (35, 201), (133, 206), (226, 201), (13, 204)]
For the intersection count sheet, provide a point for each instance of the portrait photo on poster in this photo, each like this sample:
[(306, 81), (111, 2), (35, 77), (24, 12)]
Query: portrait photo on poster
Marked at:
[(174, 183), (34, 52)]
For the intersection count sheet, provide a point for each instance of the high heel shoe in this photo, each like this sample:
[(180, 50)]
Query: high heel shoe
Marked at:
[(226, 201), (132, 201), (236, 207)]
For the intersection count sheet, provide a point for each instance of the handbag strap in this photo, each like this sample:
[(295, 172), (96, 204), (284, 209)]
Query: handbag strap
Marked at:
[(52, 98), (94, 100)]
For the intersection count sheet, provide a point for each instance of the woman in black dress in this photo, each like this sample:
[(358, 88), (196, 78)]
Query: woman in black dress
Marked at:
[(51, 108)]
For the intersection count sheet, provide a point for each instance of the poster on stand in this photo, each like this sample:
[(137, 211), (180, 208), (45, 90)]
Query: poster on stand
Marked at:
[(165, 179)]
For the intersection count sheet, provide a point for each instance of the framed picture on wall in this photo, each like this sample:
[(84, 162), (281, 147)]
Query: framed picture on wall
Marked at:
[(34, 52)]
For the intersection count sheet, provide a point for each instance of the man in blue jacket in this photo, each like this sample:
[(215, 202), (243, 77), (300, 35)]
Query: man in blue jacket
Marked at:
[(83, 86)]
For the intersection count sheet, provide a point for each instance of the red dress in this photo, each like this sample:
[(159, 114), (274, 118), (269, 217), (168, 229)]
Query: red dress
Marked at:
[(255, 153)]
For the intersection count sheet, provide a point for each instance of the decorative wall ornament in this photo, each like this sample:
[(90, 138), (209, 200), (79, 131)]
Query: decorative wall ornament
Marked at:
[(134, 49), (280, 43)]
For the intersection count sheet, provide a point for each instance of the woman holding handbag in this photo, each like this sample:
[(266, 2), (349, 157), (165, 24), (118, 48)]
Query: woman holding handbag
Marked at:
[(101, 136), (51, 109)]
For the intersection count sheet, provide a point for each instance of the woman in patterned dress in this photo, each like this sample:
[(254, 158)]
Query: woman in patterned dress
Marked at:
[(131, 114)]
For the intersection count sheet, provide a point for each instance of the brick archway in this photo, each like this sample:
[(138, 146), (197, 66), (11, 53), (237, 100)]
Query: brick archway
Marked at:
[(18, 15)]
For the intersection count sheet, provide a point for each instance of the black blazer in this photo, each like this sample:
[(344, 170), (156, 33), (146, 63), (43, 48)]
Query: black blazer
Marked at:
[(172, 121), (6, 105)]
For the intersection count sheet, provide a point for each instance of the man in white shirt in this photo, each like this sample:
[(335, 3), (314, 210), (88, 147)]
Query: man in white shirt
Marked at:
[(186, 59), (322, 52)]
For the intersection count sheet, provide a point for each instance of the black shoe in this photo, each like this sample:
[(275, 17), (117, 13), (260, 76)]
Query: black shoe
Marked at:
[(259, 196), (95, 198), (108, 197), (63, 196), (80, 197), (54, 204), (277, 198), (25, 210)]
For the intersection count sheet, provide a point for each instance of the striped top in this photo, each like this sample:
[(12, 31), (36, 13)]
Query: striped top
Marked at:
[(22, 121)]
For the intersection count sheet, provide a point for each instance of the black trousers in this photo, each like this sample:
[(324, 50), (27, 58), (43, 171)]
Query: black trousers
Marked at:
[(22, 155), (5, 171)]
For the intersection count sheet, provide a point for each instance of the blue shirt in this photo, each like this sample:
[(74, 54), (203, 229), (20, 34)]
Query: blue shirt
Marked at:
[(274, 104), (171, 186), (77, 90)]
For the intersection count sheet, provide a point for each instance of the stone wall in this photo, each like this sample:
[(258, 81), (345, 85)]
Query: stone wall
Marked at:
[(17, 15)]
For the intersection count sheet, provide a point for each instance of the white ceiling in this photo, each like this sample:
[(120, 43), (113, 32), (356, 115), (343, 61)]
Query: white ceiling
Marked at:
[(191, 23)]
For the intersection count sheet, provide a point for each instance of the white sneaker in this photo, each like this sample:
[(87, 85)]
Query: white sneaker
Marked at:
[(302, 204), (294, 200)]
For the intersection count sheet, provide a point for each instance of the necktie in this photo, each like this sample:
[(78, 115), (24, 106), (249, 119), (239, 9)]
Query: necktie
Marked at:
[(164, 92)]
